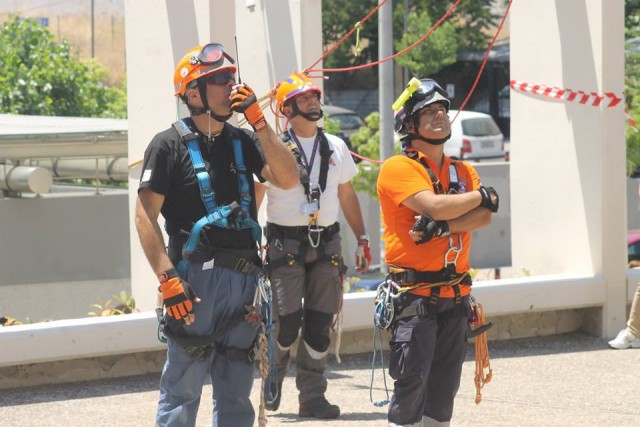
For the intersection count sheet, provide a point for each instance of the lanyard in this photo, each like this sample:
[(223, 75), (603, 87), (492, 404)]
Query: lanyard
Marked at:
[(307, 164)]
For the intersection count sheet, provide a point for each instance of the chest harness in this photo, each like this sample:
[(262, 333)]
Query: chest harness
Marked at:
[(237, 216), (312, 233), (234, 215), (401, 279)]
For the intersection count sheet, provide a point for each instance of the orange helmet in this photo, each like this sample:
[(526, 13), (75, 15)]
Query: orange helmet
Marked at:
[(201, 61), (294, 85)]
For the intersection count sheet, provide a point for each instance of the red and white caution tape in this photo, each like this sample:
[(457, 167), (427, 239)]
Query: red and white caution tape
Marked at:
[(587, 98), (594, 99)]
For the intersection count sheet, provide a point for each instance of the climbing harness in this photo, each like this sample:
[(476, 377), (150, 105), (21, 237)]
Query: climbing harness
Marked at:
[(312, 191), (235, 215)]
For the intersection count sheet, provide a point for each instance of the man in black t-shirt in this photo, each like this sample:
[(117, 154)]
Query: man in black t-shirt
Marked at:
[(199, 175)]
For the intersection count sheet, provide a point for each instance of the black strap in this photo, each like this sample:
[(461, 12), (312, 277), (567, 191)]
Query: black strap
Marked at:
[(325, 155), (199, 347), (275, 231), (454, 186), (413, 276)]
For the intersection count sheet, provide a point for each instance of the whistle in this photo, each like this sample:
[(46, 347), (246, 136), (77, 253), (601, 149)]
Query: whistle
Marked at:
[(412, 86)]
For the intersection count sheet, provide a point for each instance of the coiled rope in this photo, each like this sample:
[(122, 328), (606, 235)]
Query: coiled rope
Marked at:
[(482, 376)]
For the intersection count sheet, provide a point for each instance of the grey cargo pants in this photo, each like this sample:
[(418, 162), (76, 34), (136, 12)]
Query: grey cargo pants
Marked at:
[(317, 281)]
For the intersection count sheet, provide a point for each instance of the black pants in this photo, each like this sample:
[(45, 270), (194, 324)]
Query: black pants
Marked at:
[(426, 361)]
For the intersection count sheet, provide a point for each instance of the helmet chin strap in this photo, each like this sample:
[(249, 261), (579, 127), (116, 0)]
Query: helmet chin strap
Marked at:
[(312, 117), (431, 141), (202, 89)]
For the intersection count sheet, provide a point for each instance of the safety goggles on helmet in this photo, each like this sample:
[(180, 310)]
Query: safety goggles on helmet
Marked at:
[(199, 62), (429, 92), (212, 53), (221, 79)]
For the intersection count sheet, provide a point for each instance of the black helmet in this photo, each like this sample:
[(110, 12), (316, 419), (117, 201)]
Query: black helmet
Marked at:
[(429, 92)]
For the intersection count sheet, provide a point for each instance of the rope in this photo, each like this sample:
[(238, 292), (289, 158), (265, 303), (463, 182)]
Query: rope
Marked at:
[(482, 356), (484, 62), (264, 370), (384, 402), (338, 331), (389, 58), (453, 282), (339, 42)]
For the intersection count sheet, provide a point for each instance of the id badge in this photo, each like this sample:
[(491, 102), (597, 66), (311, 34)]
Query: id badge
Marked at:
[(310, 208)]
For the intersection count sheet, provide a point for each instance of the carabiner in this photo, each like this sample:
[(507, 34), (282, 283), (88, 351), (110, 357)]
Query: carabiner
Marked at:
[(314, 229), (453, 249)]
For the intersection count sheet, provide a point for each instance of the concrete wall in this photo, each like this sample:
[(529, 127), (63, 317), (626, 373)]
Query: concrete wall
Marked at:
[(62, 252)]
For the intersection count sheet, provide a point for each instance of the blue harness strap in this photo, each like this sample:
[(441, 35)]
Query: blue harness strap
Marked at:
[(217, 216)]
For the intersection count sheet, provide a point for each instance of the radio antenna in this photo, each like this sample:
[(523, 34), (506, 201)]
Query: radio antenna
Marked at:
[(235, 38)]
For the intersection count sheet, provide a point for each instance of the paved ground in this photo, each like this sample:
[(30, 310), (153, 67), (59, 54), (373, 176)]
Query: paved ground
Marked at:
[(566, 380)]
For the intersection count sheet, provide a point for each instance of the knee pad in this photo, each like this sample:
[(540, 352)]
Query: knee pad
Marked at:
[(316, 329), (289, 328)]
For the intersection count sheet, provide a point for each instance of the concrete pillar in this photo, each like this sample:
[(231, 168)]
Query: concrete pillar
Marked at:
[(275, 38), (568, 160)]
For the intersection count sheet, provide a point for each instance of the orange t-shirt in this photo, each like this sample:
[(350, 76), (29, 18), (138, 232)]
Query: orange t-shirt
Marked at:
[(401, 177)]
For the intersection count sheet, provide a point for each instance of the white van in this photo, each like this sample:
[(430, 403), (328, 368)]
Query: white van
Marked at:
[(474, 136)]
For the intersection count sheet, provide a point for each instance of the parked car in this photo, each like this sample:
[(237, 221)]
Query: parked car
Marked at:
[(633, 245), (349, 122), (474, 136)]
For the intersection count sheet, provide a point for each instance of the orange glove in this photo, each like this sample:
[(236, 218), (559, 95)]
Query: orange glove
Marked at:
[(243, 100), (363, 254), (177, 295)]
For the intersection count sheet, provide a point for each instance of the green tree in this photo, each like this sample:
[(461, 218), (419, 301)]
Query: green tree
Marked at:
[(41, 77), (438, 51), (632, 84), (468, 26), (632, 18)]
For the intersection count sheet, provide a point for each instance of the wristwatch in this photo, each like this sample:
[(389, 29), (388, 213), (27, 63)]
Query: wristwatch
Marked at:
[(363, 237)]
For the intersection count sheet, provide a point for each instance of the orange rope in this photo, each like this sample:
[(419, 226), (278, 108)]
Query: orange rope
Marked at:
[(389, 58), (484, 62), (482, 355)]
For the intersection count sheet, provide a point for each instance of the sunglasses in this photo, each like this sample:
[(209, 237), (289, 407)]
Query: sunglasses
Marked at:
[(213, 53), (220, 79)]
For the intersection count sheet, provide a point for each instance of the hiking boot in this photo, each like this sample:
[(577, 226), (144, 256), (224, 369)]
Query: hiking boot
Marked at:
[(273, 406), (625, 339), (319, 408)]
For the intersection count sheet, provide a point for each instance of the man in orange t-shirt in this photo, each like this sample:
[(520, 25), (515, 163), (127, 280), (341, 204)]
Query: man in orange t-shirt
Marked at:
[(429, 257)]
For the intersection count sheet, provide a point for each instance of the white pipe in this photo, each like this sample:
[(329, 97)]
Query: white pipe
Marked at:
[(25, 179), (104, 168)]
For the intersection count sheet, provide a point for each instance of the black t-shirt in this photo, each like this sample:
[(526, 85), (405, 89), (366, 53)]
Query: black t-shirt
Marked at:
[(167, 170)]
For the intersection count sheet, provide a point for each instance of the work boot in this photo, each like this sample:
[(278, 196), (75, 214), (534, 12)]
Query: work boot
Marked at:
[(319, 408), (273, 406)]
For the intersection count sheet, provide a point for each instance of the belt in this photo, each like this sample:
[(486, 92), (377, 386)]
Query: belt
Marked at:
[(413, 276), (246, 262), (297, 232)]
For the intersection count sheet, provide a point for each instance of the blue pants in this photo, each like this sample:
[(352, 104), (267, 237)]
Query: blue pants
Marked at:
[(224, 294)]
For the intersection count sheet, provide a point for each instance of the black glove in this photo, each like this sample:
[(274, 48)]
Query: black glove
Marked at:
[(486, 202), (430, 228)]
